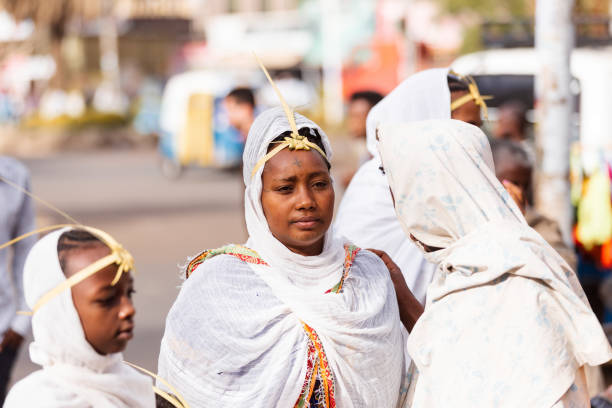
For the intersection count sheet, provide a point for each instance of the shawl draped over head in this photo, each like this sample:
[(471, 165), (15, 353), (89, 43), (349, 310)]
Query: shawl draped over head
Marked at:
[(74, 375), (236, 334), (506, 322), (366, 215)]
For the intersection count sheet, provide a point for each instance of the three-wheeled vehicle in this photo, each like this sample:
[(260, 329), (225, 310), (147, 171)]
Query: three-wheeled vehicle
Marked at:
[(194, 125)]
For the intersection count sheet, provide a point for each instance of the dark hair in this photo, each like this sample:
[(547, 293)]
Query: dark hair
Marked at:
[(161, 402), (516, 152), (242, 95), (457, 83), (73, 240), (312, 134), (371, 97)]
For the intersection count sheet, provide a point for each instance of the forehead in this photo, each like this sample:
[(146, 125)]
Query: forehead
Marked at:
[(288, 162)]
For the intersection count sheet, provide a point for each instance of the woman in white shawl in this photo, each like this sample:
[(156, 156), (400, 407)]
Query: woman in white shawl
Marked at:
[(269, 324), (366, 214), (506, 322), (74, 374)]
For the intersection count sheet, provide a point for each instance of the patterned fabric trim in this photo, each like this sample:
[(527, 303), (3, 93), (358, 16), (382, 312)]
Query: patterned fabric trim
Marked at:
[(241, 252), (350, 254), (318, 389)]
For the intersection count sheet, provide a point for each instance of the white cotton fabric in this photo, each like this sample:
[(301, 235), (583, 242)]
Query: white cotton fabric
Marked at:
[(366, 214), (506, 322), (234, 337), (73, 374)]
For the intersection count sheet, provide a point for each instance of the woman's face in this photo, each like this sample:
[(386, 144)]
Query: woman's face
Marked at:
[(468, 113), (298, 199)]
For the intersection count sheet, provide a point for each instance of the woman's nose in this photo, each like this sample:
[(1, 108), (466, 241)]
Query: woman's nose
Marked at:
[(305, 199)]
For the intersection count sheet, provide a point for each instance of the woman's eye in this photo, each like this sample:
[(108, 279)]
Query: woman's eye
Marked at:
[(321, 184), (130, 292), (284, 189)]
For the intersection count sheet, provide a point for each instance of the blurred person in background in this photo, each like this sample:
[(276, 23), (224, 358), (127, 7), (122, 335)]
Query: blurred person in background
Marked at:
[(514, 170), (16, 218), (359, 106), (511, 122), (240, 107), (366, 215)]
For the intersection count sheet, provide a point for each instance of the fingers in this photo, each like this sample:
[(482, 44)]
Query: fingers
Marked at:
[(378, 252), (516, 193)]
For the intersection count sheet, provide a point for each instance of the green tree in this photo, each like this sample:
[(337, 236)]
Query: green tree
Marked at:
[(488, 8)]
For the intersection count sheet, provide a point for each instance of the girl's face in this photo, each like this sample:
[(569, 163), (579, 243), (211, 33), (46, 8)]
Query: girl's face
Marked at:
[(298, 199), (106, 312)]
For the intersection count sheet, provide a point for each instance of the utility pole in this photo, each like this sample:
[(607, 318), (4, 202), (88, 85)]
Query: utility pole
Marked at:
[(554, 38), (332, 61)]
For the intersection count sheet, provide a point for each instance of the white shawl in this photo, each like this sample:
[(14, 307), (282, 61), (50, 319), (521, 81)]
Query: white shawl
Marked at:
[(74, 375), (366, 215), (256, 312), (506, 322)]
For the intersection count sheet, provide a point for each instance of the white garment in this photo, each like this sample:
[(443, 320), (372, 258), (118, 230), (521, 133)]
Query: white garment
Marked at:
[(74, 375), (506, 322), (234, 337), (366, 215)]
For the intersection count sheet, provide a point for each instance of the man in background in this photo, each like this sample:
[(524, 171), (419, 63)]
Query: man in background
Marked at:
[(359, 106), (16, 218), (240, 107)]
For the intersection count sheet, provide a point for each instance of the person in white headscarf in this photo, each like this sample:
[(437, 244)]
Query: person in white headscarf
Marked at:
[(75, 373), (366, 215), (506, 323), (271, 323)]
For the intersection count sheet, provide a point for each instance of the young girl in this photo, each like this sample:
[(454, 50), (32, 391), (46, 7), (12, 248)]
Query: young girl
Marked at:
[(78, 285)]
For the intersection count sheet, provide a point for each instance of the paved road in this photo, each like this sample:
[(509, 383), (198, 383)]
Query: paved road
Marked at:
[(160, 221)]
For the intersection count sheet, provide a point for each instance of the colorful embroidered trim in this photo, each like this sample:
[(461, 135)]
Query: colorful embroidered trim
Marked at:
[(321, 376), (350, 253), (318, 388), (241, 252)]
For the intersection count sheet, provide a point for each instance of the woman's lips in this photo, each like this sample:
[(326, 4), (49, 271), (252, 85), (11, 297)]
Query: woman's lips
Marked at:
[(307, 223)]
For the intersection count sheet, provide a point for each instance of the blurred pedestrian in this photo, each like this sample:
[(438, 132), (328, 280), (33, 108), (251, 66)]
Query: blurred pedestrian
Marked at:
[(240, 107), (359, 106), (511, 121), (366, 215), (514, 170), (506, 321), (16, 218), (79, 287)]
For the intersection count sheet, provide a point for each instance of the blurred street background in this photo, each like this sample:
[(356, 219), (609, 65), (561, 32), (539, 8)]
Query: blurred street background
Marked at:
[(119, 110)]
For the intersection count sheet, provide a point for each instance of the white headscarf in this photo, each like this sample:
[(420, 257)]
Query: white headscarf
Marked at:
[(310, 273), (366, 215), (424, 95), (235, 337), (506, 321), (74, 375)]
